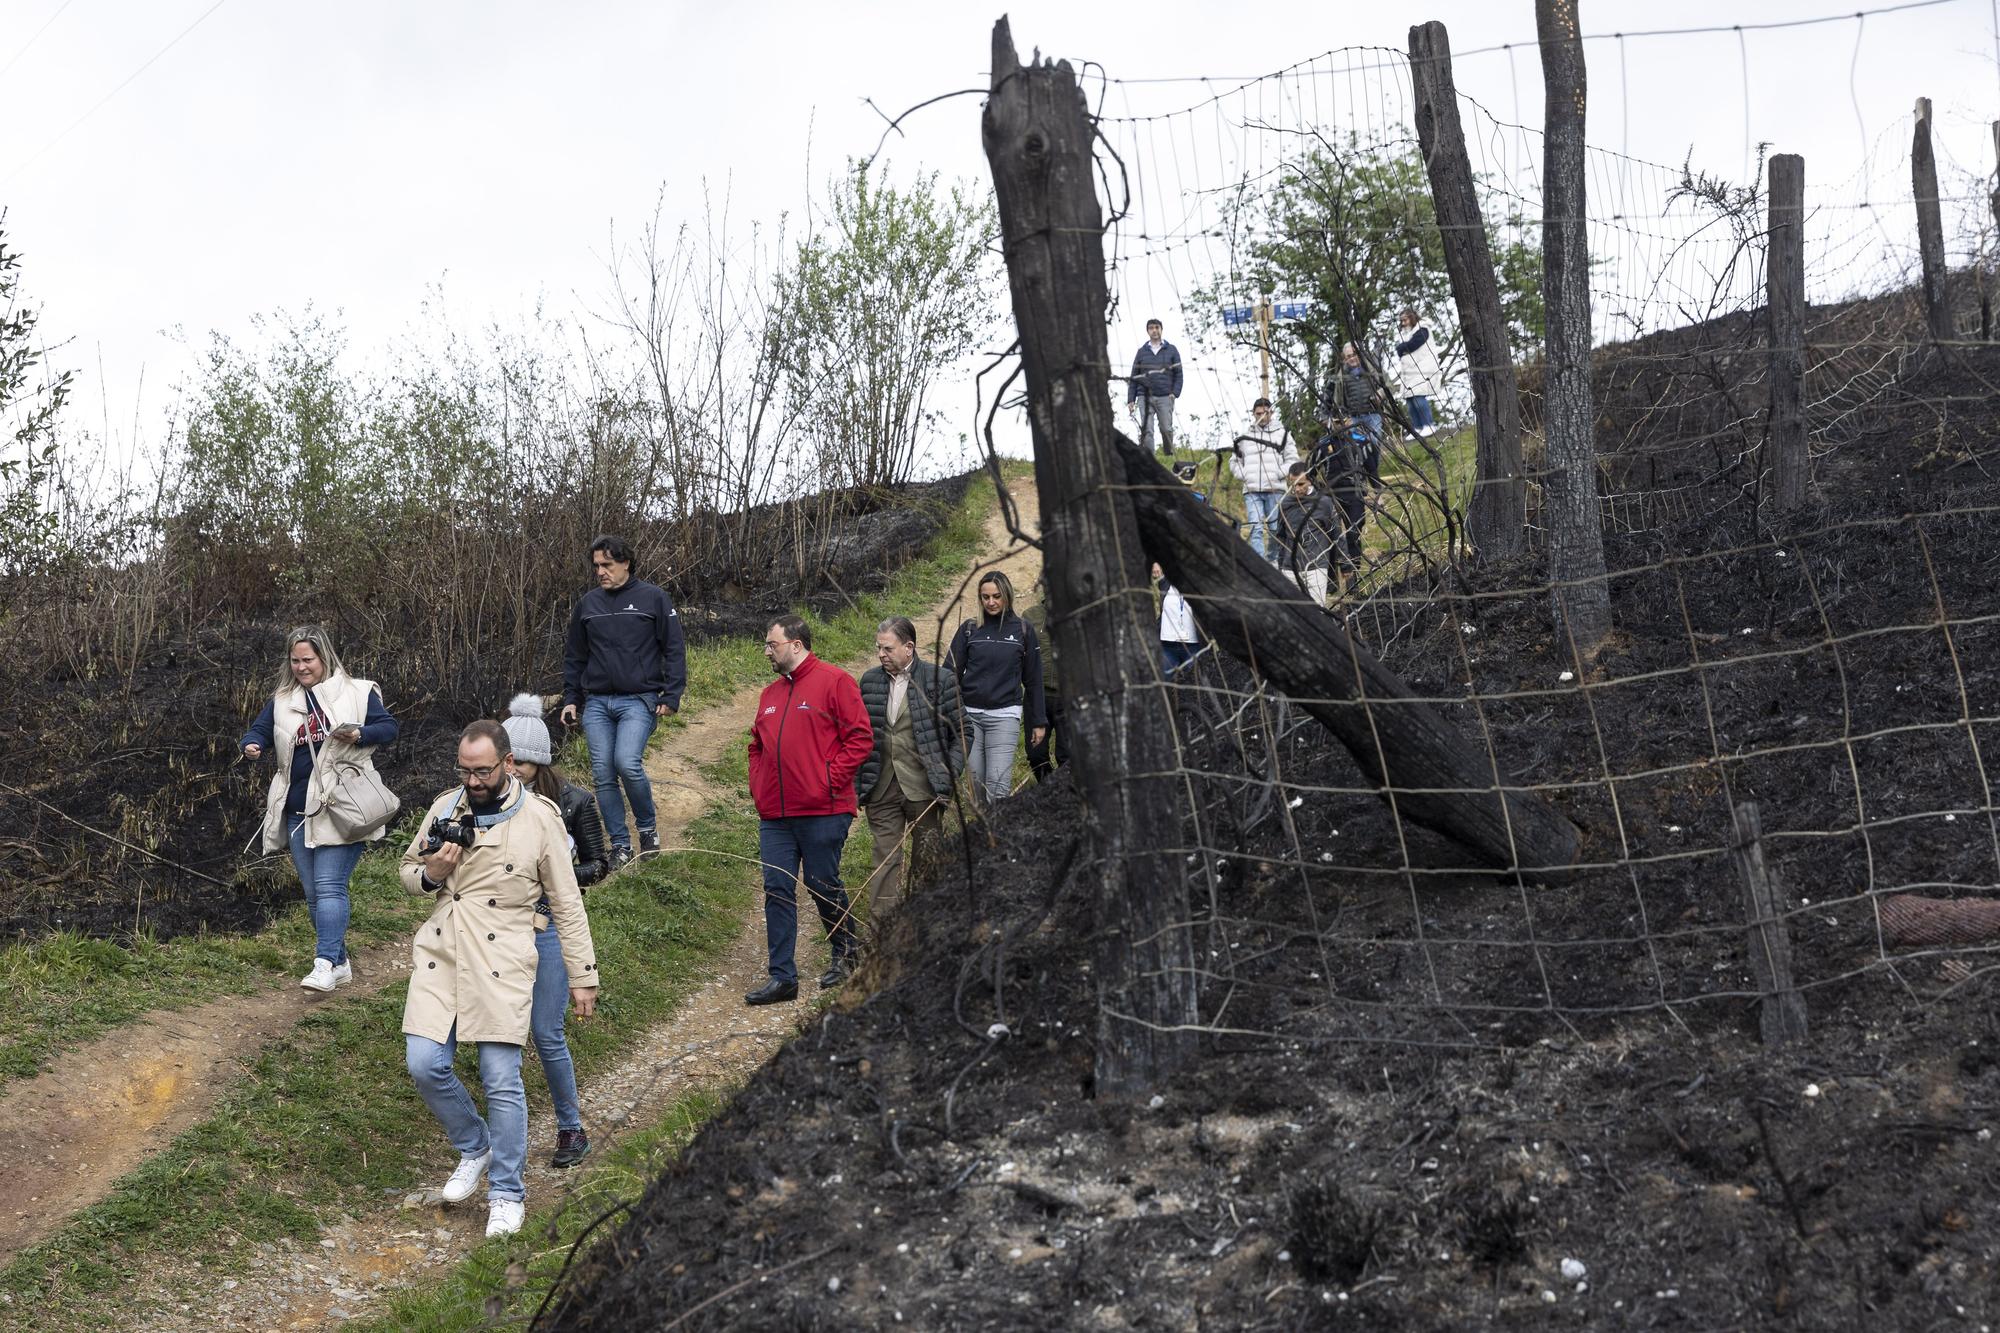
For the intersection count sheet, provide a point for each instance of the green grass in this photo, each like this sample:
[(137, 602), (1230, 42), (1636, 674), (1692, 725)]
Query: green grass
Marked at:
[(326, 1121), (64, 989), (507, 1279)]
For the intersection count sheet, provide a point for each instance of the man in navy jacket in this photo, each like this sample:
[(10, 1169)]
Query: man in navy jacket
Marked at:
[(1154, 385), (625, 667)]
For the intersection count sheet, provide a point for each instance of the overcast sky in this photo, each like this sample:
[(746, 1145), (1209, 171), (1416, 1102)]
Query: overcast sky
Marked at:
[(354, 155)]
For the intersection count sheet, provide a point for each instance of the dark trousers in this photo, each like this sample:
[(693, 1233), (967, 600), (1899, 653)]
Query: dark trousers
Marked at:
[(1045, 758), (1175, 654), (812, 843), (1353, 512)]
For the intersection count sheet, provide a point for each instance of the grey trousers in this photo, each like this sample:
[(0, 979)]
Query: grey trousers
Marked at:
[(1161, 408), (991, 741)]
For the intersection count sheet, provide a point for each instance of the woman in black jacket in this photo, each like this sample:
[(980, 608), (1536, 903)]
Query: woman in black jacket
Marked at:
[(998, 662), (534, 765)]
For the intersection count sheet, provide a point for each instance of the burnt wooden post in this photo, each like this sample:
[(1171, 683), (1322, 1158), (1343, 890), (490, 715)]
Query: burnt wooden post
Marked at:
[(1786, 456), (1582, 596), (1993, 202), (1497, 516), (1427, 770), (1038, 137), (1781, 1014), (1930, 226)]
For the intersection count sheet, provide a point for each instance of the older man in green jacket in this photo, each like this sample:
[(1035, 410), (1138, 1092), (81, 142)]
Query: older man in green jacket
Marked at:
[(906, 778)]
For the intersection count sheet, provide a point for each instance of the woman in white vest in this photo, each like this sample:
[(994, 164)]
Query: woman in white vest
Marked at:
[(321, 726), (1418, 371)]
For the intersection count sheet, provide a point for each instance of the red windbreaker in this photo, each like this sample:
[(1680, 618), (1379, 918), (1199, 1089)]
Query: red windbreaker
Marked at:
[(811, 737)]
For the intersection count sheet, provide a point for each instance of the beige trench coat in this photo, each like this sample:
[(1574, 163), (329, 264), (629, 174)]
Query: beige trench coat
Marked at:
[(473, 962)]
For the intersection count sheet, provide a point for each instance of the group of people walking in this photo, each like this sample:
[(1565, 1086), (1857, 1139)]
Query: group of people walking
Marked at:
[(1304, 512), (506, 853)]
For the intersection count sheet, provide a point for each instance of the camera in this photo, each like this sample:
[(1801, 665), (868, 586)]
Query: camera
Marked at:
[(442, 831)]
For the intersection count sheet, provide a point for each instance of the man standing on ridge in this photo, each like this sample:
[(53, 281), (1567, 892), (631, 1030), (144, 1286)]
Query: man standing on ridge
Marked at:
[(809, 739), (625, 667), (1154, 385)]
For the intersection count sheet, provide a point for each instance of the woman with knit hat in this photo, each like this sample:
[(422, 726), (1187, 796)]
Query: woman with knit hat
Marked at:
[(534, 764)]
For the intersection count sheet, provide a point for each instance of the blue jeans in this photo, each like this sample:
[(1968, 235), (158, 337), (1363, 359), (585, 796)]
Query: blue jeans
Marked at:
[(1260, 508), (1174, 654), (1419, 408), (505, 1128), (545, 1024), (324, 872), (617, 726), (813, 842)]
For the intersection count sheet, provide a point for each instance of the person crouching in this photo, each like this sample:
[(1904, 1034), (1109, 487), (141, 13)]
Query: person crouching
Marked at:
[(489, 851)]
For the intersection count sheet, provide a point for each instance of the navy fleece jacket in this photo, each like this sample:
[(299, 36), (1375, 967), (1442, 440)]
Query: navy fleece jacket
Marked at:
[(625, 640)]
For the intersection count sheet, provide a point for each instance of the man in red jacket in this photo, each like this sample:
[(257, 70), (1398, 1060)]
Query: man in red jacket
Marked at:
[(810, 738)]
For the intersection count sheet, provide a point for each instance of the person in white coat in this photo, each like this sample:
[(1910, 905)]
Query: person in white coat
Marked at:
[(1260, 458), (317, 712), (1180, 639), (1418, 371)]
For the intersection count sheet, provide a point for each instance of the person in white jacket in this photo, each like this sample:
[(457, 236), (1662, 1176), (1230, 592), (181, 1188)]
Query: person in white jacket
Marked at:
[(1180, 640), (1260, 458), (1418, 370)]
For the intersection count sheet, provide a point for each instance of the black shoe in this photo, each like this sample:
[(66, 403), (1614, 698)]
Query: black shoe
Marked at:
[(773, 992), (619, 856), (648, 843), (836, 974), (572, 1146)]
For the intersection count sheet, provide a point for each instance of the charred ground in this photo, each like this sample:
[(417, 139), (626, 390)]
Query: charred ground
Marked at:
[(1426, 1088)]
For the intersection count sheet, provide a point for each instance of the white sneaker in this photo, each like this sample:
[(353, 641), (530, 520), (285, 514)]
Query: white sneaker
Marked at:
[(466, 1178), (320, 978), (343, 974), (503, 1216)]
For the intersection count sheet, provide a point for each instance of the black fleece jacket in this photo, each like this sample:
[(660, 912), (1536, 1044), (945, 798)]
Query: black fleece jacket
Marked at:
[(625, 640), (998, 662)]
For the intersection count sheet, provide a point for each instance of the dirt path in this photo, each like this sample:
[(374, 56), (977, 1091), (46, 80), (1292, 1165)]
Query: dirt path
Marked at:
[(713, 1041)]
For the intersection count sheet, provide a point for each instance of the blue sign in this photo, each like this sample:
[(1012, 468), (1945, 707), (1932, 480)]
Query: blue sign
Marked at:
[(1280, 312)]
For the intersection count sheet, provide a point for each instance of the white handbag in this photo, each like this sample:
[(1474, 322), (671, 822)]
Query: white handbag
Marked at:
[(355, 800)]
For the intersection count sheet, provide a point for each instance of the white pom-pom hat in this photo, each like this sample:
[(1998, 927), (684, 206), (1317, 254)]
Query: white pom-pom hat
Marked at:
[(526, 730)]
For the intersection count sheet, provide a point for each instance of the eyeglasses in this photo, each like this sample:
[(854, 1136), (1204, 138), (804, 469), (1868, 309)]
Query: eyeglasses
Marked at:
[(479, 774)]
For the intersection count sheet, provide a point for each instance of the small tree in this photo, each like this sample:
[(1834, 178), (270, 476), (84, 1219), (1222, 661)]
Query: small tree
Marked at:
[(28, 409), (899, 286), (1350, 227)]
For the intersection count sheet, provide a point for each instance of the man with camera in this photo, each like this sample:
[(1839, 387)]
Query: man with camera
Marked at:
[(489, 852)]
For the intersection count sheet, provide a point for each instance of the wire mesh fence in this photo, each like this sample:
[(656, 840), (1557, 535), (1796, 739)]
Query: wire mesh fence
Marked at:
[(1829, 669)]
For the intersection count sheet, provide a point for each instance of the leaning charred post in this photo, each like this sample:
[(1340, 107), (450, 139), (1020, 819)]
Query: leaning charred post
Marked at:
[(1429, 772)]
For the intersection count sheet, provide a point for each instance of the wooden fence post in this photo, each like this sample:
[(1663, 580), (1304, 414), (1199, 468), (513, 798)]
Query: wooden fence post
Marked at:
[(1930, 226), (1786, 456), (1781, 1014), (1038, 138), (1993, 202), (1582, 595), (1496, 518)]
